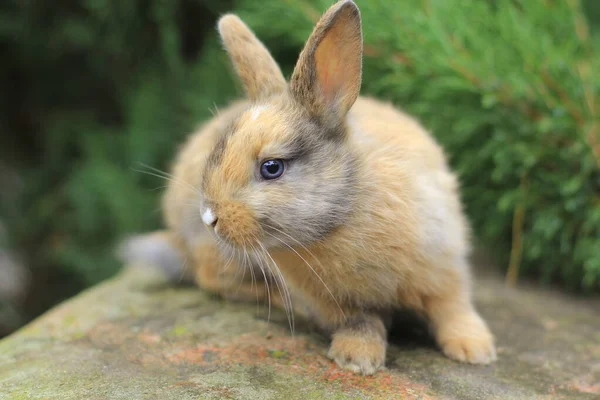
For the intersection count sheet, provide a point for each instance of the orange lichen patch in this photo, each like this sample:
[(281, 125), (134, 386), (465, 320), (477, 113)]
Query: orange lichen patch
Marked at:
[(584, 384), (298, 356), (149, 338), (200, 354), (108, 334), (383, 383)]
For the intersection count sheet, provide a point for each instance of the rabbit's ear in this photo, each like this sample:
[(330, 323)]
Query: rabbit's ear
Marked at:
[(257, 69), (327, 77)]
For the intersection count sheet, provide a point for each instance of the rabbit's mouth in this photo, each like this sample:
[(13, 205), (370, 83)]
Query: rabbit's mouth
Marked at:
[(231, 222), (262, 240)]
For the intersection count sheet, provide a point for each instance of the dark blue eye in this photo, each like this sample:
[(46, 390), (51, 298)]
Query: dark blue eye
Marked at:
[(272, 169)]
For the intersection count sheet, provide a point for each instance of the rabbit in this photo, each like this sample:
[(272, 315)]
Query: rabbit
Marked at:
[(344, 201)]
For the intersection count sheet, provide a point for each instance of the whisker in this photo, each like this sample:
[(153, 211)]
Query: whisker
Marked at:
[(165, 175), (244, 270), (253, 276), (158, 188), (286, 296), (240, 264), (225, 267), (312, 269), (260, 266), (183, 269), (297, 242)]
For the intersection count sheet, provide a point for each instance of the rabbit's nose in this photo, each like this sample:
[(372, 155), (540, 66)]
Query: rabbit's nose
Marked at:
[(209, 218)]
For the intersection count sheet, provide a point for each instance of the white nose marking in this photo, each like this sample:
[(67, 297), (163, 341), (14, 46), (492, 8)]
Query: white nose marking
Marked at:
[(208, 217)]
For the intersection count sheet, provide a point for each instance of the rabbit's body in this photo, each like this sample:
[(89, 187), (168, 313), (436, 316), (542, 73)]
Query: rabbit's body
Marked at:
[(406, 224), (364, 218)]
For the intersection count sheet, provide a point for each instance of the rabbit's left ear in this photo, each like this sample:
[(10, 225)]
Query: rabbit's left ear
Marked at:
[(327, 77), (257, 69)]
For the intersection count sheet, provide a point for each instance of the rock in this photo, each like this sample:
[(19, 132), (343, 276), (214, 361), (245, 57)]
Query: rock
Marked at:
[(138, 337)]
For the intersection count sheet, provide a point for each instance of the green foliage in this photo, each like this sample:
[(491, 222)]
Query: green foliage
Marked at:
[(510, 88), (96, 91)]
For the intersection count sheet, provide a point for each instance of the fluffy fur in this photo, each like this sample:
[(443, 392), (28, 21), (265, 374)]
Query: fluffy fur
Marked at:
[(365, 219)]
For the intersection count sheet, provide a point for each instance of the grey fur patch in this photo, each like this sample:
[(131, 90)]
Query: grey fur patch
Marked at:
[(322, 178), (216, 156), (366, 324), (154, 252)]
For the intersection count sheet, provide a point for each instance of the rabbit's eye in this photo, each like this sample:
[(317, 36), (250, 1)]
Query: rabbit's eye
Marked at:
[(272, 169)]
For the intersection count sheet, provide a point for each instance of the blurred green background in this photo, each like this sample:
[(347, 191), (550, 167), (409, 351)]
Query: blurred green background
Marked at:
[(92, 92)]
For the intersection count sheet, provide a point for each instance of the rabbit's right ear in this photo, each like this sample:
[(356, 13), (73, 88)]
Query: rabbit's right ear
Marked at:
[(257, 69), (327, 77)]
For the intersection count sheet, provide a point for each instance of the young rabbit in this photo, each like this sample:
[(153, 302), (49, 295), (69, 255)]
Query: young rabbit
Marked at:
[(345, 200)]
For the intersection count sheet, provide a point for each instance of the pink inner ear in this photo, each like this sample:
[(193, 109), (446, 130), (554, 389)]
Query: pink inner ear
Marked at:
[(329, 73), (333, 78), (338, 65)]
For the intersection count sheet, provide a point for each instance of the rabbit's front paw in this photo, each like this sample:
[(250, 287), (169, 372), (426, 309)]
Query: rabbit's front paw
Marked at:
[(358, 353), (467, 339), (470, 349), (459, 330)]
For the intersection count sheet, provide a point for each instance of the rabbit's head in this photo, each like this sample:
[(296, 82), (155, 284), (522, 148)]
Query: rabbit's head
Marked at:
[(283, 173)]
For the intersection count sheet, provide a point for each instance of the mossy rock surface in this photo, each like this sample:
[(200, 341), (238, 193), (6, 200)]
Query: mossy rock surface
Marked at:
[(139, 337)]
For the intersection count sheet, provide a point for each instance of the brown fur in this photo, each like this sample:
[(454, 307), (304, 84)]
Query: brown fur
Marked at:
[(365, 219), (260, 74)]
